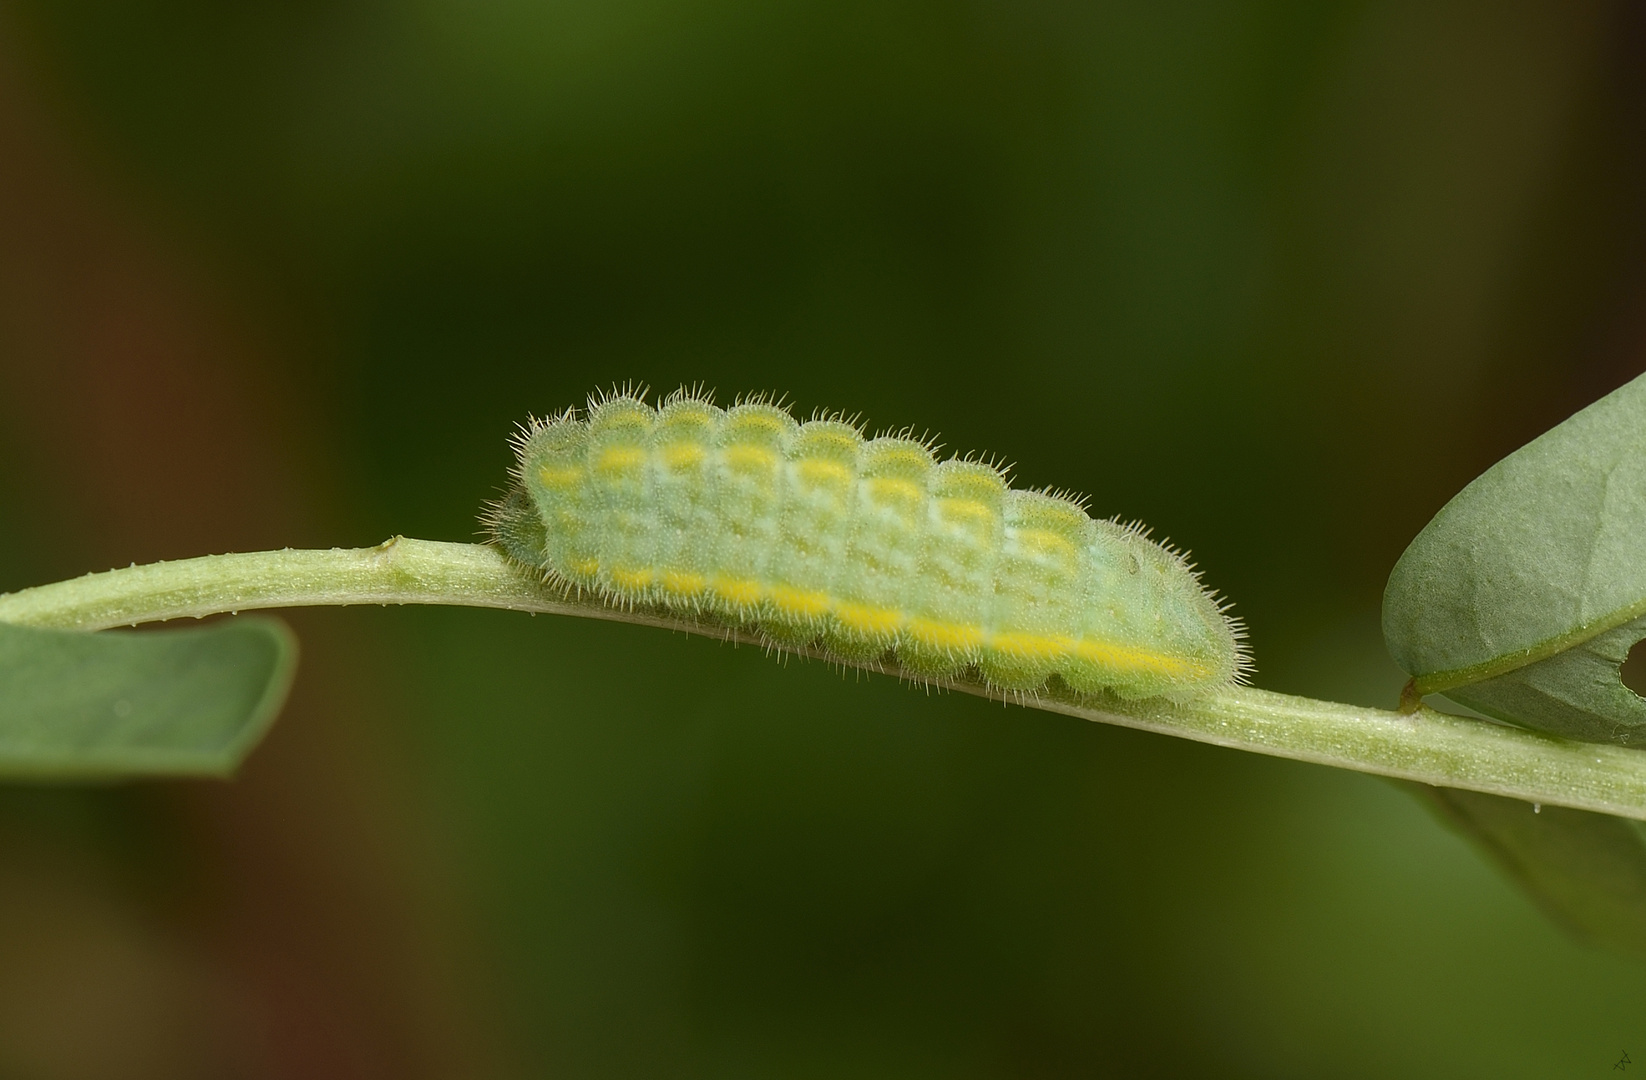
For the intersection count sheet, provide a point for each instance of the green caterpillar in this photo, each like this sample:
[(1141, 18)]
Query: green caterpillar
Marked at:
[(814, 535)]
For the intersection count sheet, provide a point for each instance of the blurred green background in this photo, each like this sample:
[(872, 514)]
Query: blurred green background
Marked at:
[(1276, 277)]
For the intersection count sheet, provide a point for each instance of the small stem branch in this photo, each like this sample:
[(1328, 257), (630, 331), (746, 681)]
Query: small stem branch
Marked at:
[(1425, 745)]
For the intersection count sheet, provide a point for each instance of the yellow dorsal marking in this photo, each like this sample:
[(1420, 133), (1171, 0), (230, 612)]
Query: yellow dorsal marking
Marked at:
[(746, 458), (945, 635), (959, 509), (967, 486), (796, 602), (741, 591), (902, 455), (559, 476), (868, 620), (585, 567), (1045, 542), (631, 427), (683, 455), (845, 439), (757, 420), (620, 459), (814, 471), (890, 487)]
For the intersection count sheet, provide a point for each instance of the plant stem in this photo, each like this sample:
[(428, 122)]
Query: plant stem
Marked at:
[(1426, 746)]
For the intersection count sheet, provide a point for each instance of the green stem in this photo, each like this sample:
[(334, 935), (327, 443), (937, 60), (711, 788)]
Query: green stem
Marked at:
[(1425, 746)]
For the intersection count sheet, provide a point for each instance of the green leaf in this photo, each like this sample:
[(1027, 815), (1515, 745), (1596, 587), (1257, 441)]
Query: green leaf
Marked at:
[(1521, 597), (1576, 693), (80, 706), (1586, 871)]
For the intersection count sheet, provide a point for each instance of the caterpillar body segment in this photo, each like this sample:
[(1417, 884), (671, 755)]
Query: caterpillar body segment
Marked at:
[(813, 534)]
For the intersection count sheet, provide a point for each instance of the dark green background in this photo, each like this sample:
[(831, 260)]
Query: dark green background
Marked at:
[(1277, 278)]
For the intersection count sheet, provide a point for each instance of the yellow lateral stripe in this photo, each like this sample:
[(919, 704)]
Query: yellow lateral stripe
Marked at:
[(1031, 646), (680, 583), (736, 590), (795, 602), (944, 635), (559, 476), (633, 577), (1126, 658), (747, 457), (868, 620), (620, 459), (585, 567)]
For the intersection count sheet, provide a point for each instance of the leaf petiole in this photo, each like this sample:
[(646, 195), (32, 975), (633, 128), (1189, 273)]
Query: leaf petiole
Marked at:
[(1425, 745)]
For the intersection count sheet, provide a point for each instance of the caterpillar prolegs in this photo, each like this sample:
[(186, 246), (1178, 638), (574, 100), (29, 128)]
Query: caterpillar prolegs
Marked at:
[(813, 535)]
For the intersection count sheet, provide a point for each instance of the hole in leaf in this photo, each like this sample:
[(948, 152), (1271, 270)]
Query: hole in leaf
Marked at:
[(1634, 668)]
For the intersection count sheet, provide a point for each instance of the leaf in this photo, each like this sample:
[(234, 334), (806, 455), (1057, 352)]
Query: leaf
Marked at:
[(80, 706), (1521, 597), (1577, 693), (1587, 871)]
